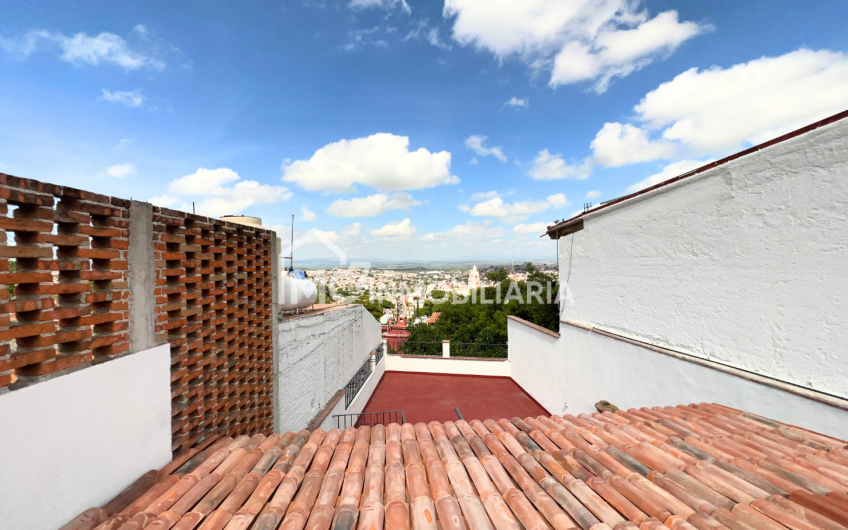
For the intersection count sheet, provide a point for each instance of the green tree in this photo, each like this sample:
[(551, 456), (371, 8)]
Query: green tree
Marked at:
[(497, 276), (437, 294), (11, 287), (471, 327)]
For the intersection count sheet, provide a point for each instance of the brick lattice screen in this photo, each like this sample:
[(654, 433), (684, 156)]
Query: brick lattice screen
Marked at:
[(213, 304), (69, 301)]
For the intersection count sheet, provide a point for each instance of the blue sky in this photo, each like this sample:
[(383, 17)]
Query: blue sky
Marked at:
[(408, 129)]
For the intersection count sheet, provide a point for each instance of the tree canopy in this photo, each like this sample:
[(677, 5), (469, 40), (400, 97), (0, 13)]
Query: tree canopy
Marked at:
[(481, 319)]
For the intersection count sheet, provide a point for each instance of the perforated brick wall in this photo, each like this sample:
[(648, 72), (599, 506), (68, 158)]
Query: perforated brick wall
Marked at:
[(68, 304), (65, 301), (214, 306)]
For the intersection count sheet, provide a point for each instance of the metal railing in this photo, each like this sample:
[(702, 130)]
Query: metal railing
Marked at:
[(476, 349), (383, 417), (457, 349), (356, 382)]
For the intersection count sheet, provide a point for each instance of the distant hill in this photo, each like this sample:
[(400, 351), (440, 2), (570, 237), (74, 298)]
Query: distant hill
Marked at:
[(416, 265)]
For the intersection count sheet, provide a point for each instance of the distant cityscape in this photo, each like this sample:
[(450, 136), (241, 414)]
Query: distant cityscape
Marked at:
[(406, 289)]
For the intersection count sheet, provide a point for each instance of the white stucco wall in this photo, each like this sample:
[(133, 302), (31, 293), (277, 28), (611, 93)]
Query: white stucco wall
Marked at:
[(581, 368), (318, 356), (440, 365), (744, 264), (73, 442)]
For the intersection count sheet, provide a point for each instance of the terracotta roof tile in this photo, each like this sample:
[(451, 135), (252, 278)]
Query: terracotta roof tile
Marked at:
[(695, 467)]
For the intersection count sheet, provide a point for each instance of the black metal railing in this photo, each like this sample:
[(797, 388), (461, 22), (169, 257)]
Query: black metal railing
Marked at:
[(384, 417), (457, 349), (358, 380), (476, 349)]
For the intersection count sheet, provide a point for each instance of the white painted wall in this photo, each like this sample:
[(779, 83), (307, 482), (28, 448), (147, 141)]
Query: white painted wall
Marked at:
[(73, 442), (452, 365), (744, 264), (572, 373), (318, 356)]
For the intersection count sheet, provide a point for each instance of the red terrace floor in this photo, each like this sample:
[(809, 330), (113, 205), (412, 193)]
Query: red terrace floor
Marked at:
[(432, 397)]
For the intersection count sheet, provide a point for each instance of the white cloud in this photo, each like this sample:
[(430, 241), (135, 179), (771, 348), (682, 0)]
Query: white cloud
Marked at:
[(593, 194), (165, 201), (558, 201), (306, 214), (516, 102), (330, 235), (352, 230), (120, 171), (576, 40), (468, 231), (104, 48), (533, 228), (475, 143), (125, 142), (382, 4), (718, 110), (518, 211), (547, 166), (669, 172), (484, 195), (382, 161), (373, 205), (617, 145), (395, 229), (221, 199), (129, 98), (435, 39), (375, 36), (473, 161)]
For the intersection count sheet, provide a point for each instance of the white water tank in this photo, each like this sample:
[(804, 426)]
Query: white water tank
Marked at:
[(296, 290), (243, 220)]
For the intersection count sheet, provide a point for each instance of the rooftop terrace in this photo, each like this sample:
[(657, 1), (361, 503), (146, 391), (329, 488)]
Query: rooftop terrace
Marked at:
[(432, 397)]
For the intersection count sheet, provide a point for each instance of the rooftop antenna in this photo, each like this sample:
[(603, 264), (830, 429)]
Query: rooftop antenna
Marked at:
[(291, 248)]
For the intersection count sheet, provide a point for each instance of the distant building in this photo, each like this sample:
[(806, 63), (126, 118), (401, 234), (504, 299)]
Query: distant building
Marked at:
[(474, 278)]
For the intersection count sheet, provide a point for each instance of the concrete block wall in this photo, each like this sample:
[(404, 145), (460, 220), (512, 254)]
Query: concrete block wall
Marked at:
[(318, 356)]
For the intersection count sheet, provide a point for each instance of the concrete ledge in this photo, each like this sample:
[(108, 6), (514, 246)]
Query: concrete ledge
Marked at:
[(324, 413), (534, 326), (820, 397)]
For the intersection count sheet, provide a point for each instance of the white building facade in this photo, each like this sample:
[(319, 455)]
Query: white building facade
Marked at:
[(728, 285)]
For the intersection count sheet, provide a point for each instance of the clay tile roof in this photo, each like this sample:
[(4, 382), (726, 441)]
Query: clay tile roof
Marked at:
[(704, 467), (434, 317)]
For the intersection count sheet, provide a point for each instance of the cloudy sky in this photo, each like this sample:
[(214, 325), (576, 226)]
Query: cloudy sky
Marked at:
[(405, 128)]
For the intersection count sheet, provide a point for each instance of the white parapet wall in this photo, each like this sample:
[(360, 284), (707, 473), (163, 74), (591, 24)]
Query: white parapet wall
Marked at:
[(571, 373), (319, 353), (73, 442), (448, 365)]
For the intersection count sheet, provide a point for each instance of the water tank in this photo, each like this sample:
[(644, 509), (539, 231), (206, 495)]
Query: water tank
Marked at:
[(243, 220), (296, 290)]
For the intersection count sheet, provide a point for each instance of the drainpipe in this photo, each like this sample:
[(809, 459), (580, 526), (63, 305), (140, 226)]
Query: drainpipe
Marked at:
[(446, 348)]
